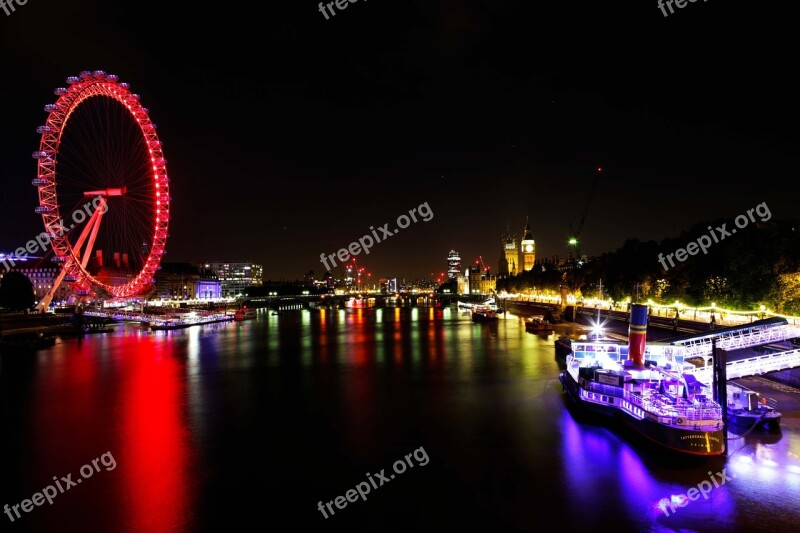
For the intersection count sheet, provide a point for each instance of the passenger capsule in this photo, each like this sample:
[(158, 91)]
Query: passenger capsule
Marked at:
[(73, 79), (60, 91), (99, 72), (38, 182), (51, 107), (42, 154), (44, 129)]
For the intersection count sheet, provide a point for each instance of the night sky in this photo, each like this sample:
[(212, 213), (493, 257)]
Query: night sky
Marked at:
[(289, 135)]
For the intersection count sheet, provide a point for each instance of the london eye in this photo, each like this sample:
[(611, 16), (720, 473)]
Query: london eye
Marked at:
[(103, 188)]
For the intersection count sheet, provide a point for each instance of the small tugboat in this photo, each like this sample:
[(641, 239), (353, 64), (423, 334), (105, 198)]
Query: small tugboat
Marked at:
[(484, 314), (652, 396), (538, 324), (749, 410)]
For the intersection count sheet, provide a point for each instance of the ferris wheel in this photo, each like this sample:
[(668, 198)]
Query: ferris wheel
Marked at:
[(103, 188)]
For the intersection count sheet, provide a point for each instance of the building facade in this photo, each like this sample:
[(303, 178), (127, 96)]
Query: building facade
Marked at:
[(481, 282), (42, 279), (453, 264), (184, 281), (509, 255), (236, 277)]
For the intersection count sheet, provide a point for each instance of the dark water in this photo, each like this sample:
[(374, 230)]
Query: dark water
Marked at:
[(247, 426)]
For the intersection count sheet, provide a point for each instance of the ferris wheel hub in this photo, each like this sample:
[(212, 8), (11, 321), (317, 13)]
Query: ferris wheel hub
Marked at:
[(119, 191)]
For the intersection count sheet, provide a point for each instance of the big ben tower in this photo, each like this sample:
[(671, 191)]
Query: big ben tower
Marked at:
[(528, 248)]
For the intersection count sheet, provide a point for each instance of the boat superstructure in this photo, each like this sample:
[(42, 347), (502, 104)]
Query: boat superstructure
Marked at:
[(644, 385)]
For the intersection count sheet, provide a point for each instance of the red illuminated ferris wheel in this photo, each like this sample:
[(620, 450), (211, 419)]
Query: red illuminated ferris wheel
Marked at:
[(103, 188)]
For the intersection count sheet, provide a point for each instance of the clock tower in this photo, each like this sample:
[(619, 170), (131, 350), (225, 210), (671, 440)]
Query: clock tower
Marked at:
[(528, 248)]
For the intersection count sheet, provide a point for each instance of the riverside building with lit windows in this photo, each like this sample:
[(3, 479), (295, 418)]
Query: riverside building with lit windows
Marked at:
[(236, 277), (42, 279), (453, 264), (184, 281)]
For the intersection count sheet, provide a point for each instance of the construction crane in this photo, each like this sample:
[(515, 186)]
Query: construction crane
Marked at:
[(575, 232)]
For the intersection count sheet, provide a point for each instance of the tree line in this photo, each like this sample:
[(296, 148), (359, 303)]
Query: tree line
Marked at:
[(758, 265)]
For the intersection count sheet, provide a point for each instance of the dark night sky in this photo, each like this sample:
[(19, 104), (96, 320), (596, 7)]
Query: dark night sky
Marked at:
[(288, 135)]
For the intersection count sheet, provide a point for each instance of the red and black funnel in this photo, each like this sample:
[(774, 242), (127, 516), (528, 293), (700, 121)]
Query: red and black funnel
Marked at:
[(637, 334)]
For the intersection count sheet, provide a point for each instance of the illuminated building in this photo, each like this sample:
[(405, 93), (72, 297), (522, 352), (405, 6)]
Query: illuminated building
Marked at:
[(453, 264), (184, 281), (481, 282), (236, 278), (528, 249), (42, 279), (509, 255), (462, 283)]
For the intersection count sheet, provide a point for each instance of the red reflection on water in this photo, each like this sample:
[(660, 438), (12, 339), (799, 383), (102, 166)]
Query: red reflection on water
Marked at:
[(155, 438)]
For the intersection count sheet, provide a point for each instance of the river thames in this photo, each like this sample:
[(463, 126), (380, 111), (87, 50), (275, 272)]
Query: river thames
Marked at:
[(248, 426)]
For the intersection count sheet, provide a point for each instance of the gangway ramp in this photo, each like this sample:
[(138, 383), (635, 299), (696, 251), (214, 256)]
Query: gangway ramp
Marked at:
[(754, 366), (758, 333)]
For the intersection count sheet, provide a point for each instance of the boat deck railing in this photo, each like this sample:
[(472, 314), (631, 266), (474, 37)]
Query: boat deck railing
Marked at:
[(200, 317), (697, 409)]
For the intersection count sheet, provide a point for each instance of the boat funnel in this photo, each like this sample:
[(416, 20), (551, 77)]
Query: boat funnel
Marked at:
[(637, 334)]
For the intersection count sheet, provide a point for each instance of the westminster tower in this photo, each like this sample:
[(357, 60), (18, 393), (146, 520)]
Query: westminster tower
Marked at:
[(527, 248)]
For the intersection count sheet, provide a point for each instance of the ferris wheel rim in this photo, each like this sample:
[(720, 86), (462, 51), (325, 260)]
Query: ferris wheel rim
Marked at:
[(92, 84)]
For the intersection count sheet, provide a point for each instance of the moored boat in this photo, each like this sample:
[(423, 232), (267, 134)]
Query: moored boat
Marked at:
[(644, 386), (538, 324), (484, 314), (748, 410)]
